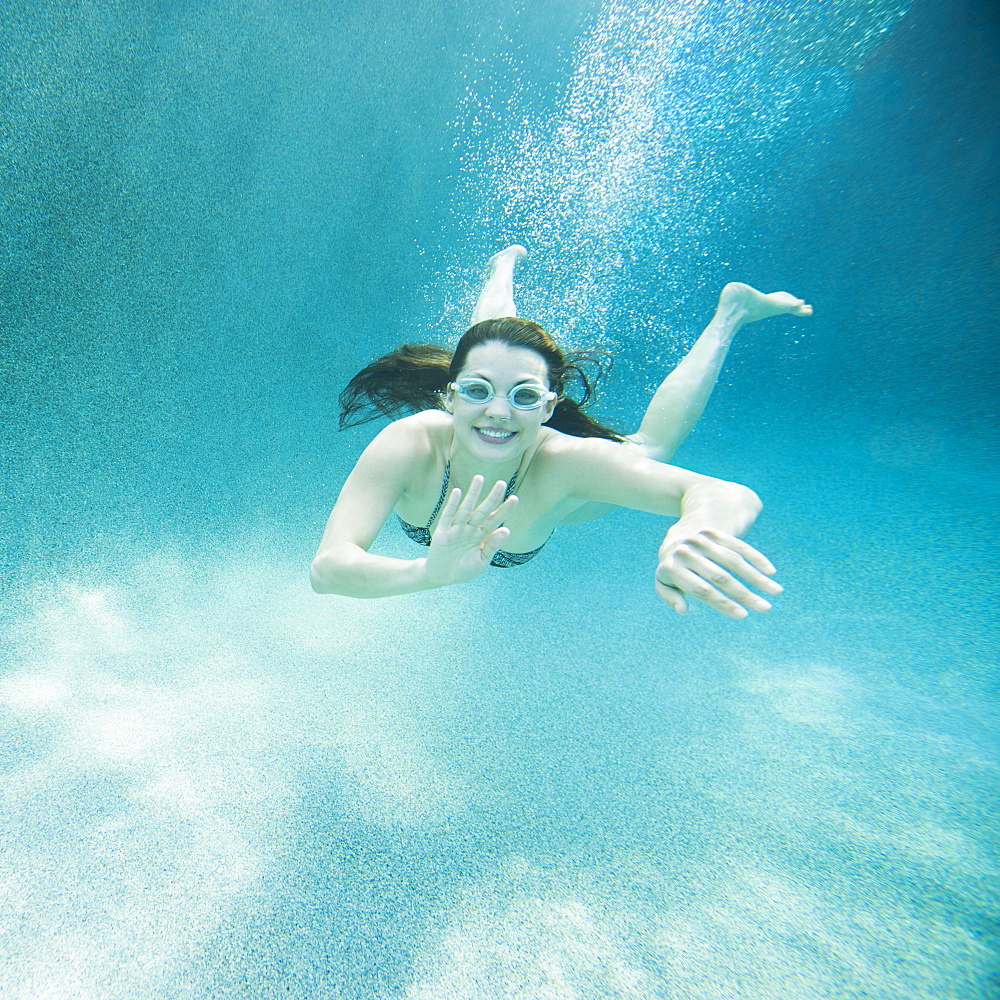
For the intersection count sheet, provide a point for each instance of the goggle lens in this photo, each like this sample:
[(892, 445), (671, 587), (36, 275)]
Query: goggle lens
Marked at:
[(525, 396), (475, 392)]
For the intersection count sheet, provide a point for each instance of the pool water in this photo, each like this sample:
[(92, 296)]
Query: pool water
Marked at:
[(545, 784)]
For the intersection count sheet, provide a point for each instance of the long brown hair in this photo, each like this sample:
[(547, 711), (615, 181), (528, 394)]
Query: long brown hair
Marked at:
[(414, 377)]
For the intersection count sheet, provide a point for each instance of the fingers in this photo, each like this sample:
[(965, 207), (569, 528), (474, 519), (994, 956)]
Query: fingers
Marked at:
[(712, 567), (447, 515), (736, 556), (468, 510), (493, 519), (468, 504), (490, 513), (737, 545), (494, 503), (724, 592)]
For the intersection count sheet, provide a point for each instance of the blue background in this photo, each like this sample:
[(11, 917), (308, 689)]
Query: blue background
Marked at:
[(218, 784)]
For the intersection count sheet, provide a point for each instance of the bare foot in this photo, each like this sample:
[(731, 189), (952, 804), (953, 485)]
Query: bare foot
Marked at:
[(514, 252), (743, 304), (497, 297)]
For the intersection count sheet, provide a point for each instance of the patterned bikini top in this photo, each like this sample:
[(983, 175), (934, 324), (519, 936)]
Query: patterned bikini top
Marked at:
[(422, 533)]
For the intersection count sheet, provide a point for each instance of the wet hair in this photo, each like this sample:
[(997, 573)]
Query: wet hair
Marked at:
[(415, 377)]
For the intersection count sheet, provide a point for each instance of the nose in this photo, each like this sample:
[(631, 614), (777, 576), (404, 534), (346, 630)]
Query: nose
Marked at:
[(499, 408)]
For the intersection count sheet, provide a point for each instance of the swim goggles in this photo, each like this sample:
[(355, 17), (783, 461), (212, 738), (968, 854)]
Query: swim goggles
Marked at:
[(526, 396)]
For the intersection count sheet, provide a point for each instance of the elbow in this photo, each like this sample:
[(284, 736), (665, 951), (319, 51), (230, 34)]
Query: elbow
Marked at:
[(334, 570), (316, 580), (320, 576)]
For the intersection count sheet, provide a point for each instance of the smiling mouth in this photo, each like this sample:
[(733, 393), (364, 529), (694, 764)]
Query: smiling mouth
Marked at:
[(494, 434)]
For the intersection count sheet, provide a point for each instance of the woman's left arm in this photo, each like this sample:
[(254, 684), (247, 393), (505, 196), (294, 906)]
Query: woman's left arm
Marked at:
[(702, 555)]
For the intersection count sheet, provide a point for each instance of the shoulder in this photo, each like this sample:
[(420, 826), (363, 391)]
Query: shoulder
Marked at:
[(395, 463), (565, 451), (610, 472), (567, 463), (409, 443)]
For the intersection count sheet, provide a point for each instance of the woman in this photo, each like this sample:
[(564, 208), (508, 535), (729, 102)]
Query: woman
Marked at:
[(493, 417)]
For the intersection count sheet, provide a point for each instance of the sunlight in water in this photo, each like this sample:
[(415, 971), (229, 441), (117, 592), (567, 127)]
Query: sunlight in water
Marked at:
[(163, 727), (218, 785), (631, 165), (170, 729)]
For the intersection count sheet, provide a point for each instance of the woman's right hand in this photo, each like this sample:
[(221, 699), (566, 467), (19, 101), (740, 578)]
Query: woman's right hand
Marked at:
[(468, 534)]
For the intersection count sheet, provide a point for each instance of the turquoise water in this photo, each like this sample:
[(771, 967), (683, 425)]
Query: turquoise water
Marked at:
[(542, 785)]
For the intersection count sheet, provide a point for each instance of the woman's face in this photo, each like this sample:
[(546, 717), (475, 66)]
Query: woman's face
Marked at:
[(496, 431)]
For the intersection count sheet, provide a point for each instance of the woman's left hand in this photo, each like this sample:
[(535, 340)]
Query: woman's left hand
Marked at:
[(710, 566)]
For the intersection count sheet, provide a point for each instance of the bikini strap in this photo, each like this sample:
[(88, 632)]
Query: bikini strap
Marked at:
[(444, 493), (511, 486)]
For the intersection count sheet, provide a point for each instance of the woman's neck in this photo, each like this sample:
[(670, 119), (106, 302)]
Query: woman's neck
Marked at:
[(464, 466)]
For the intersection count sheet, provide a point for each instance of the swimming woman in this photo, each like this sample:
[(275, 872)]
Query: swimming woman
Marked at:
[(492, 418)]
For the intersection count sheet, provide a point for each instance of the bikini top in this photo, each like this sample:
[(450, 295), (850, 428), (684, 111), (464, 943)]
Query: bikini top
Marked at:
[(422, 534)]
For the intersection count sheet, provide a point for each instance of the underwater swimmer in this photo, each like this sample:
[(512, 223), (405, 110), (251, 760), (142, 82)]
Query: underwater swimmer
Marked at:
[(492, 417)]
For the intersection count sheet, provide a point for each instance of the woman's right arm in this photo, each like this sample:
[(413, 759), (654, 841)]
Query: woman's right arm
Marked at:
[(468, 532), (343, 564)]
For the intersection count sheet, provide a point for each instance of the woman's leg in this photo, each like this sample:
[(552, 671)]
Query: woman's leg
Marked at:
[(681, 397), (496, 300), (680, 400)]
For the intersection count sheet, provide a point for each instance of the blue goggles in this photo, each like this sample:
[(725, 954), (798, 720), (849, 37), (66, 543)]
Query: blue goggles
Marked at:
[(526, 396)]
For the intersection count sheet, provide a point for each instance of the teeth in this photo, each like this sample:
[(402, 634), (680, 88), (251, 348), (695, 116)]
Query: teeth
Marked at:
[(494, 433)]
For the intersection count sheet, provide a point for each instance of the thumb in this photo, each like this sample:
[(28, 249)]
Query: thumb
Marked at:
[(673, 597)]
